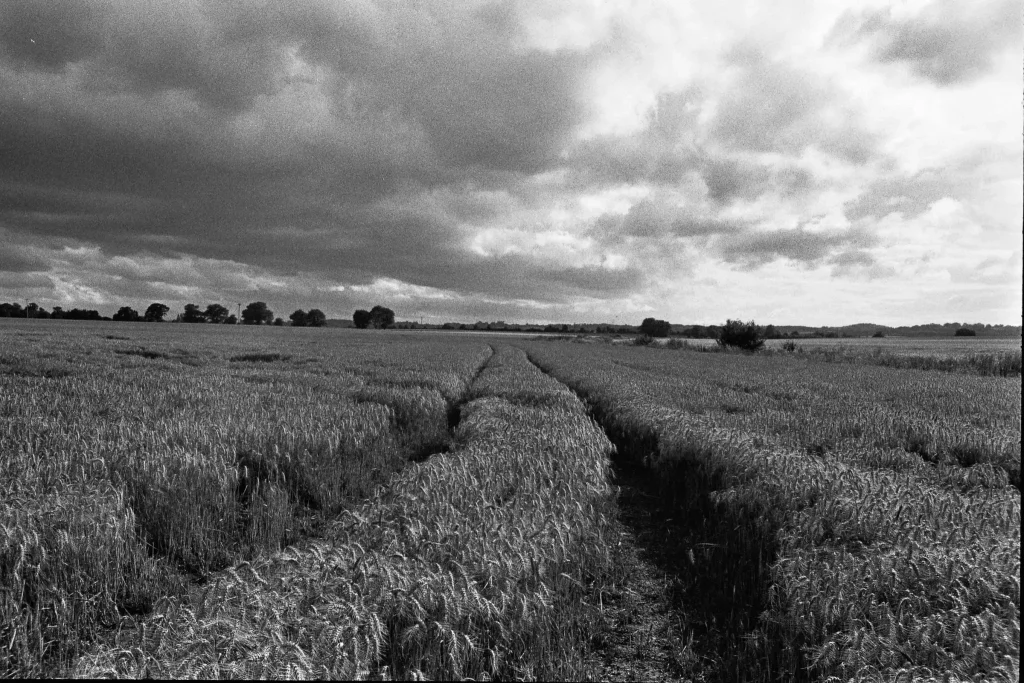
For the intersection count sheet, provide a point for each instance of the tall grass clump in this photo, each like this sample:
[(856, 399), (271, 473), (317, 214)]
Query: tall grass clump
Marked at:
[(477, 564)]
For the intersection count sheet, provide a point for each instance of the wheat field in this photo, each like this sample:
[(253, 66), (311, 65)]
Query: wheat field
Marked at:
[(205, 501), (868, 517)]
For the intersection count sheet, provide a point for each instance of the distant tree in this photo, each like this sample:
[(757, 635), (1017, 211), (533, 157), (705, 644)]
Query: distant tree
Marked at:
[(769, 332), (381, 317), (193, 314), (279, 322), (738, 334), (33, 310), (82, 314), (216, 314), (57, 312), (231, 320), (257, 313), (315, 318), (965, 332), (11, 310), (156, 312), (655, 328), (298, 318), (878, 335), (127, 314), (361, 319)]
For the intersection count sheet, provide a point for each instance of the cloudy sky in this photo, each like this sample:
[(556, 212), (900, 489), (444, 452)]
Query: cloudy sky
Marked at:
[(797, 162)]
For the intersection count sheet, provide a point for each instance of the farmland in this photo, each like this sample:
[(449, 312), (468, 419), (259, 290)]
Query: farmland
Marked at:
[(853, 521), (215, 501)]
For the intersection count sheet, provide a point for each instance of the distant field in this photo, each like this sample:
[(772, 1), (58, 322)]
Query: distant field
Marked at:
[(940, 347), (214, 501), (945, 346)]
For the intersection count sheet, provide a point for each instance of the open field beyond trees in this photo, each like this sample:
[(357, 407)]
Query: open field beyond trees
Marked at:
[(219, 501)]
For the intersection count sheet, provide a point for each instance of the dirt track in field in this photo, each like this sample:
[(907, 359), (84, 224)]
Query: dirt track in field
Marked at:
[(646, 637)]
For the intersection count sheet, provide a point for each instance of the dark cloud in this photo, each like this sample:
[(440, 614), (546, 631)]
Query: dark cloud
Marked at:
[(28, 284), (48, 34), (731, 178), (667, 150), (278, 135), (529, 279), (948, 43), (661, 153), (652, 219), (913, 194), (754, 249), (514, 113), (17, 259), (853, 257), (774, 107), (910, 195)]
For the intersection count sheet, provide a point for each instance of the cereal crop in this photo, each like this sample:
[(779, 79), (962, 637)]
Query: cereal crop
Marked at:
[(867, 519), (131, 466), (217, 501)]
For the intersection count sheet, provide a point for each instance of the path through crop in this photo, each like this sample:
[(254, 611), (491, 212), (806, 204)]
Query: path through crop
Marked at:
[(646, 638), (672, 612)]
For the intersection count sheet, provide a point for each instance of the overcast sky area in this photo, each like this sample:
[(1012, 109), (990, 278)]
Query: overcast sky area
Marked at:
[(796, 162)]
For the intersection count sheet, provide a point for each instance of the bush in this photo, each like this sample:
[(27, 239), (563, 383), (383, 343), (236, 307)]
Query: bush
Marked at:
[(655, 328), (741, 335), (965, 332), (643, 340), (790, 346)]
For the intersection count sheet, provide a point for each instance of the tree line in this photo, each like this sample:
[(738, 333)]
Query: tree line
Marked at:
[(33, 310), (256, 313)]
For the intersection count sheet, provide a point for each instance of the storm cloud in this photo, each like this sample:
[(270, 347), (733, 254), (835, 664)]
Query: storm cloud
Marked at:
[(948, 42), (466, 156)]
